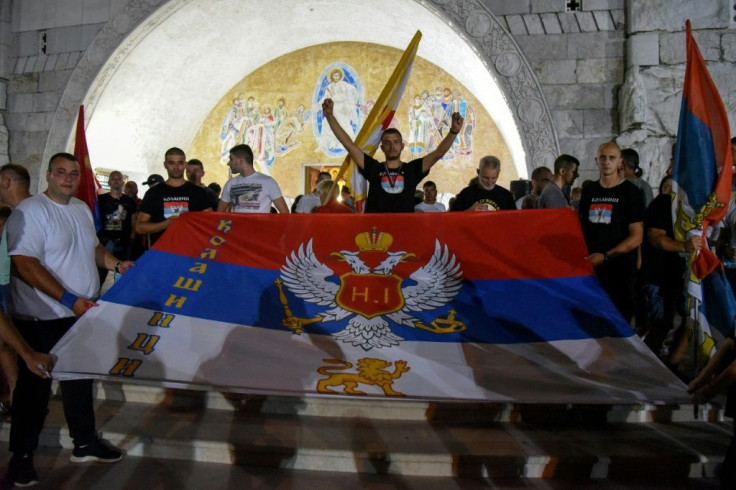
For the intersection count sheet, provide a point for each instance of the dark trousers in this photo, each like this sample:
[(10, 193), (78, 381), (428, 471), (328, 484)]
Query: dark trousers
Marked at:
[(31, 395), (618, 279)]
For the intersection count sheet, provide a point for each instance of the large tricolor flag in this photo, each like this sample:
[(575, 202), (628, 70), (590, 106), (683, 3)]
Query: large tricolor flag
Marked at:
[(88, 185), (369, 136), (702, 176), (448, 306)]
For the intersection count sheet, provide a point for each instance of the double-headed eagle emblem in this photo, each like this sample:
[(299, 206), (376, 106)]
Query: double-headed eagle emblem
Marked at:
[(367, 296)]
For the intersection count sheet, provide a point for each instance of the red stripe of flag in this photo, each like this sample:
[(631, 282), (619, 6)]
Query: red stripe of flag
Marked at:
[(88, 185)]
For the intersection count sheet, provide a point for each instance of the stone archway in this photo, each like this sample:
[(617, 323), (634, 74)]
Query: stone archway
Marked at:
[(512, 72), (151, 117)]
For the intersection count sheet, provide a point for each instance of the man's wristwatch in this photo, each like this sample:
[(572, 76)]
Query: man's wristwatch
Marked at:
[(116, 269), (605, 257)]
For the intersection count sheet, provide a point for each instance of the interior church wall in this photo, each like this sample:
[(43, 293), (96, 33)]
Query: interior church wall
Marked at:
[(284, 135)]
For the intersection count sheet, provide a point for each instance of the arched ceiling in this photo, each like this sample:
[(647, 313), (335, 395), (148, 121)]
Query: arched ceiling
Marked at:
[(161, 82)]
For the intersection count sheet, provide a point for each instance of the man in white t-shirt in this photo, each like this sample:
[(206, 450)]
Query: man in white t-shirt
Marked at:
[(430, 204), (309, 202), (251, 191), (56, 253), (14, 188)]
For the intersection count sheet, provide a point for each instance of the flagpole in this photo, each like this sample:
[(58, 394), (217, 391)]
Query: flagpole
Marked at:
[(696, 333), (369, 136), (696, 346)]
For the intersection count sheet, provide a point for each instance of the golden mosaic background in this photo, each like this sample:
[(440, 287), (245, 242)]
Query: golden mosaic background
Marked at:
[(294, 77)]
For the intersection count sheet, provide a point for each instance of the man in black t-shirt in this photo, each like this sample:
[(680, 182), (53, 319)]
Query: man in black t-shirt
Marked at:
[(391, 183), (194, 173), (612, 214), (167, 201), (116, 215), (485, 195), (662, 273)]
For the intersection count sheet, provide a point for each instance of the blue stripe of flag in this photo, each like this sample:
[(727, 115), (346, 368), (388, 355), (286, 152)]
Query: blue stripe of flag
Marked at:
[(494, 311), (695, 165)]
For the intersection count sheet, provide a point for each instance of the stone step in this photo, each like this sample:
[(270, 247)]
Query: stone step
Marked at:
[(55, 472), (546, 448), (393, 409)]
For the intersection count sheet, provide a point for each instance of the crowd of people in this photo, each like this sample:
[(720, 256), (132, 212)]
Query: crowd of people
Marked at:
[(59, 260)]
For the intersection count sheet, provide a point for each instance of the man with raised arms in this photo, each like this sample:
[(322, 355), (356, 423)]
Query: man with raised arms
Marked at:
[(391, 183)]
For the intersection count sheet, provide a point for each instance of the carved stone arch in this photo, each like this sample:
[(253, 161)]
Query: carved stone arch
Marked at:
[(476, 23), (470, 19), (147, 14)]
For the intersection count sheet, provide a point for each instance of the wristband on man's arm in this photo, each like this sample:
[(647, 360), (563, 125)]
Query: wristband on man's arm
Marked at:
[(68, 299)]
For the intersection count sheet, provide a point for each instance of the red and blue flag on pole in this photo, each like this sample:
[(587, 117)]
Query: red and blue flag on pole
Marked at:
[(88, 185), (702, 184)]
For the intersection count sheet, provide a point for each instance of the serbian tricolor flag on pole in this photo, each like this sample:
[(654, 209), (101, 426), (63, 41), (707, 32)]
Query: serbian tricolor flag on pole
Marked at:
[(389, 306), (88, 185), (702, 184), (369, 136)]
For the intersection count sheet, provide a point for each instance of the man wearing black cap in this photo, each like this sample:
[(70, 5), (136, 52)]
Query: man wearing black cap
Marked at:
[(153, 180), (166, 201)]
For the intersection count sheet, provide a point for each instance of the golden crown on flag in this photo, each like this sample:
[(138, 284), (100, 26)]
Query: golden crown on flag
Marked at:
[(373, 241)]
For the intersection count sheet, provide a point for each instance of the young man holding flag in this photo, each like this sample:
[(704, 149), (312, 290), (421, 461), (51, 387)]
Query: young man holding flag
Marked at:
[(55, 251), (392, 182)]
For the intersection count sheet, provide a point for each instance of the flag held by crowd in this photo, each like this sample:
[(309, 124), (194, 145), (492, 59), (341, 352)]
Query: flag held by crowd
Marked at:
[(702, 183), (449, 306), (88, 185), (369, 136)]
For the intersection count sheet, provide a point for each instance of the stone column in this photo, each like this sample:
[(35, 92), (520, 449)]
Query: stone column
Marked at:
[(651, 96), (5, 71)]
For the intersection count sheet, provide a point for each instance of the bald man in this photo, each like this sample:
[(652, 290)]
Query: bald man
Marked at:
[(612, 217)]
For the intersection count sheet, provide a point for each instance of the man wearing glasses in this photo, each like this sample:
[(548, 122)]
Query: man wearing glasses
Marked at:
[(53, 246)]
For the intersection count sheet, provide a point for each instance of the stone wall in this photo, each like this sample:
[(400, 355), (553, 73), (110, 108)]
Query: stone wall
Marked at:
[(47, 41), (578, 58), (652, 91), (614, 69), (6, 56)]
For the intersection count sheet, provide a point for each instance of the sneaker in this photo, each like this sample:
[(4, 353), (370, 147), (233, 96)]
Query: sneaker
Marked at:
[(100, 451), (21, 472)]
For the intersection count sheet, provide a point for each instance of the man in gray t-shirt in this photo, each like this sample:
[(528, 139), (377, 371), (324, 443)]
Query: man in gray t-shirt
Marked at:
[(566, 171)]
